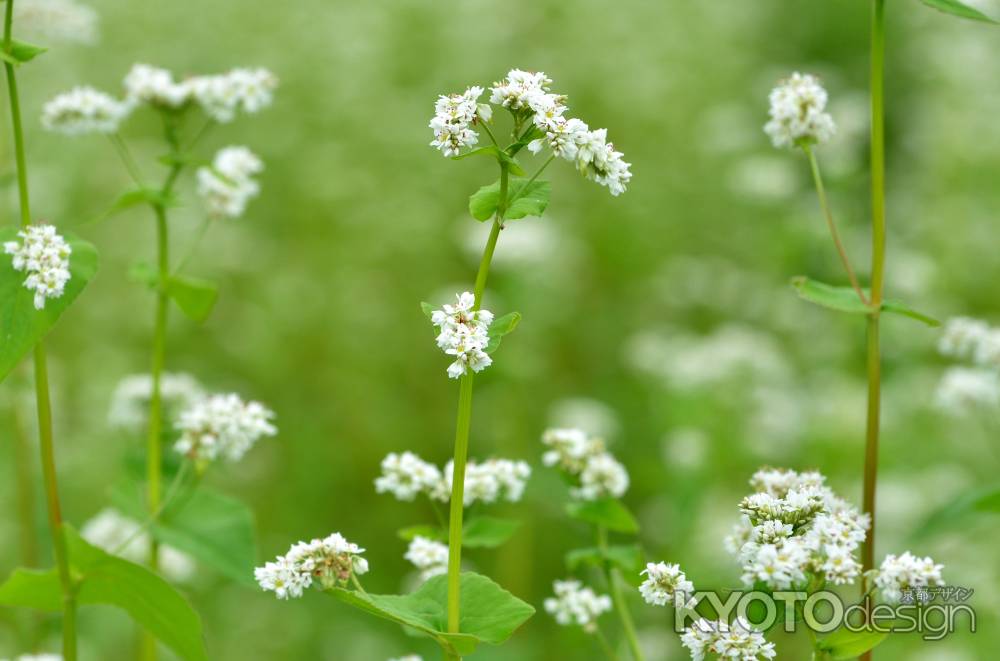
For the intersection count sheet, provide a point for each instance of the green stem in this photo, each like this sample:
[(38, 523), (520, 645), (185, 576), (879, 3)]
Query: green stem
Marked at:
[(172, 491), (874, 367), (462, 425), (25, 490), (44, 404), (617, 598), (821, 192), (602, 640), (123, 152)]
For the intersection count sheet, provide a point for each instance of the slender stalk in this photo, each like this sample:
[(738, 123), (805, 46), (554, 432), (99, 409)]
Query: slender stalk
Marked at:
[(617, 598), (44, 404), (878, 277), (25, 490), (462, 431), (130, 164), (821, 192), (602, 640)]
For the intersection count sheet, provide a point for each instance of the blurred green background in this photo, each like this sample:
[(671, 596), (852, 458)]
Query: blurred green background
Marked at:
[(661, 319)]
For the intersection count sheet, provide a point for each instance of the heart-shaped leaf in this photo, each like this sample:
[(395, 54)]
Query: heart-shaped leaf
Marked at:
[(194, 296), (501, 327), (524, 199), (21, 325), (607, 512), (21, 52), (488, 531)]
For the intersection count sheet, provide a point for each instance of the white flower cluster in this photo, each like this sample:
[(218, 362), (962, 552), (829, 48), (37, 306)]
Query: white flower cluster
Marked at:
[(665, 583), (406, 475), (65, 21), (110, 529), (798, 113), (130, 401), (464, 334), (44, 255), (906, 572), (528, 97), (738, 640), (574, 604), (38, 657), (222, 426), (228, 185), (795, 527), (429, 556), (600, 475), (330, 562), (220, 96), (84, 110), (965, 389)]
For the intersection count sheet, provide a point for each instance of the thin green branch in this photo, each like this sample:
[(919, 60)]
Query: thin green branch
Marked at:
[(617, 598)]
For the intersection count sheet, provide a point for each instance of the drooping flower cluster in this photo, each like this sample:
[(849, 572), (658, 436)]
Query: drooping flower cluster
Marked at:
[(109, 529), (798, 113), (574, 604), (329, 562), (665, 583), (977, 387), (795, 527), (598, 473), (406, 475), (228, 185), (738, 640), (528, 97), (464, 334), (66, 21), (222, 426), (429, 556), (84, 110), (130, 401), (906, 572), (44, 256)]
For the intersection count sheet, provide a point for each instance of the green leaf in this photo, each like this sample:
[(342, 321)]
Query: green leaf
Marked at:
[(977, 501), (607, 512), (429, 532), (512, 165), (488, 613), (427, 308), (845, 644), (489, 150), (105, 579), (898, 307), (21, 52), (845, 299), (627, 557), (137, 197), (21, 325), (214, 528), (958, 8), (194, 296), (501, 327), (523, 199), (143, 273), (488, 531)]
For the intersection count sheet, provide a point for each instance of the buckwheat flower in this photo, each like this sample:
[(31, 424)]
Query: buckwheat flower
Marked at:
[(961, 337), (601, 477), (561, 136), (570, 449), (65, 21), (44, 256), (464, 334), (429, 556), (84, 110), (454, 116), (574, 604), (988, 351), (780, 566), (228, 185), (966, 389), (149, 84), (130, 401), (406, 475), (512, 476), (330, 562), (665, 583), (742, 532), (488, 482), (518, 89), (597, 159), (222, 426), (839, 565), (109, 530), (798, 114), (222, 96), (771, 531), (906, 572), (39, 657), (737, 641)]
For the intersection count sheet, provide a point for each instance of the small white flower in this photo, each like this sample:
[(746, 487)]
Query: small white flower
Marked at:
[(737, 641), (149, 84), (44, 256), (221, 96), (570, 449), (489, 481), (222, 426), (665, 583), (228, 185), (429, 556), (966, 389), (130, 401), (519, 89), (602, 476), (798, 114), (109, 530), (84, 110), (464, 334), (330, 562), (575, 604), (454, 116), (406, 475), (962, 336), (906, 572), (66, 21)]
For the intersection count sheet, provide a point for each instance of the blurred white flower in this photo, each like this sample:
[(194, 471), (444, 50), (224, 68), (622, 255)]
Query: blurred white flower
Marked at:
[(66, 21), (798, 114), (464, 334), (685, 448), (221, 96), (665, 583), (602, 476), (130, 401), (44, 255), (962, 337), (228, 185), (84, 110), (109, 530), (966, 389), (222, 426), (585, 413), (330, 562), (570, 449), (148, 84), (598, 473), (429, 556), (736, 641), (489, 481), (906, 572), (574, 604), (406, 475), (39, 657)]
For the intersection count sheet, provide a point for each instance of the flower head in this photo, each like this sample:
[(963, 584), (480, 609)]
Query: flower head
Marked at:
[(330, 562), (406, 475), (130, 401), (736, 641), (489, 481), (602, 476), (222, 426), (228, 185), (964, 389), (665, 583), (221, 96), (464, 334), (906, 572), (574, 604), (156, 86), (429, 556), (44, 256), (798, 115), (66, 21), (454, 116), (84, 110)]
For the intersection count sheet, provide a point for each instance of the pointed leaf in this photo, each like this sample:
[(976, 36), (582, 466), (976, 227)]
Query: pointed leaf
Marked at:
[(501, 327), (900, 308), (524, 199), (607, 512), (843, 299), (488, 532), (21, 52), (958, 8), (489, 150), (21, 325), (194, 296), (137, 197), (845, 644)]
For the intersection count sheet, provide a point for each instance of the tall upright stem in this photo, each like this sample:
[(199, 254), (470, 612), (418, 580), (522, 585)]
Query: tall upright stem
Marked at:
[(617, 598), (462, 431), (44, 404), (878, 277)]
